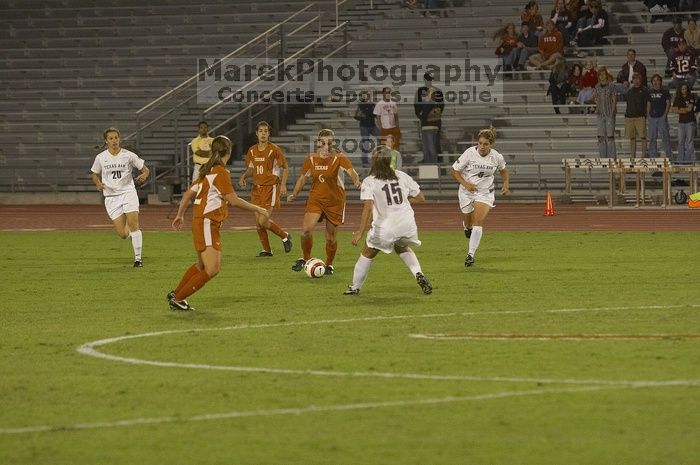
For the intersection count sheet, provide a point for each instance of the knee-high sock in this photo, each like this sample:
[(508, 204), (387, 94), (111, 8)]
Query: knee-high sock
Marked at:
[(307, 242), (361, 271), (475, 239), (264, 241), (411, 261), (195, 283), (191, 271), (137, 243), (331, 249), (277, 230)]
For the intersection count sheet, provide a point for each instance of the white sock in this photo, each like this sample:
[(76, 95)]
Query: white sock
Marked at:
[(411, 261), (361, 271), (464, 225), (475, 239), (136, 243)]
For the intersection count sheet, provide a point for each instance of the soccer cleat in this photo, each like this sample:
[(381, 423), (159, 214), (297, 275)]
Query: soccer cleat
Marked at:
[(424, 284), (171, 295), (329, 270), (287, 243), (180, 305), (351, 291), (468, 232), (469, 261), (264, 253), (299, 264), (138, 264)]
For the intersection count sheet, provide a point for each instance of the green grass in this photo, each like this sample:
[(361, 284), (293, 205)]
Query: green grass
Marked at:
[(62, 290)]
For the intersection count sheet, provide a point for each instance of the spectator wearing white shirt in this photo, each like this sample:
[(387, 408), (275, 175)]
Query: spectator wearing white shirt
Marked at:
[(387, 114)]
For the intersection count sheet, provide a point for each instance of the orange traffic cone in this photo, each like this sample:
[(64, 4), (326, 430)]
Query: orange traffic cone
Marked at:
[(549, 207)]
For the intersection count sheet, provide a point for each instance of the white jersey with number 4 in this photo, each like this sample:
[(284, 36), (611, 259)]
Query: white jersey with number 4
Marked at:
[(479, 170), (393, 219), (115, 171)]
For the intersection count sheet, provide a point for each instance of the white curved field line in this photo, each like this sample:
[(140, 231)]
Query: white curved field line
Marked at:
[(552, 337), (584, 385)]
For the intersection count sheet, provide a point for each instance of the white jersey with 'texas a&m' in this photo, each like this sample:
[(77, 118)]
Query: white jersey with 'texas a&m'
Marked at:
[(479, 170), (115, 171)]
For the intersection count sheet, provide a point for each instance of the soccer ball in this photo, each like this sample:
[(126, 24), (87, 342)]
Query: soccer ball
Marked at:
[(314, 268)]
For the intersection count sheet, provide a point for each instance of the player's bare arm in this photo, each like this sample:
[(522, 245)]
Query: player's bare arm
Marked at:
[(420, 198), (235, 201), (505, 190), (467, 185), (97, 181), (141, 178), (246, 174), (283, 180), (355, 178), (365, 221), (182, 208), (297, 188)]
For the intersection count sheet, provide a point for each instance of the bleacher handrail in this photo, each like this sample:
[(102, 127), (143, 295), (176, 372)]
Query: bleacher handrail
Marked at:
[(239, 49)]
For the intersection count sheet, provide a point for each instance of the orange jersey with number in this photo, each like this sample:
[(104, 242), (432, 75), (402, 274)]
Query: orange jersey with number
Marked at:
[(209, 201), (328, 176), (266, 164)]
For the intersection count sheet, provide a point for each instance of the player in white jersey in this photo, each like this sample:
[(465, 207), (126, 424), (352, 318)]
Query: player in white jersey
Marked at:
[(111, 173), (474, 171), (387, 195)]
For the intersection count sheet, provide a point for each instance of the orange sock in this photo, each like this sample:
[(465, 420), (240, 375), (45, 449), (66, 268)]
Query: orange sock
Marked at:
[(191, 271), (331, 248), (194, 284), (307, 242), (277, 230), (262, 234)]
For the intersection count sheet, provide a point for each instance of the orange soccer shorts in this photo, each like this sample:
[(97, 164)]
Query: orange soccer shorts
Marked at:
[(334, 213), (205, 233), (266, 196)]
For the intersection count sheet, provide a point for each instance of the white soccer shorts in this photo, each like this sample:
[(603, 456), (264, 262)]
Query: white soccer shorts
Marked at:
[(117, 205)]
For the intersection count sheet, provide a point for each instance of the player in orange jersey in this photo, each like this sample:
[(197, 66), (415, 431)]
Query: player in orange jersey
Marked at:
[(212, 192), (326, 167), (268, 168)]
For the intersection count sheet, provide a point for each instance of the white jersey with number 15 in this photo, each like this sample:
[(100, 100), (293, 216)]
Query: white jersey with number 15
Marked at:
[(390, 197)]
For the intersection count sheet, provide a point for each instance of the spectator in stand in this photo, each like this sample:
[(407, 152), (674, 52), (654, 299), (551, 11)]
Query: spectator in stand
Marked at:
[(572, 86), (669, 42), (201, 148), (684, 65), (589, 79), (527, 45), (657, 116), (365, 115), (692, 35), (508, 45), (628, 70), (636, 115), (684, 105), (387, 114), (573, 6), (598, 26), (557, 84), (582, 19), (550, 46), (533, 18), (562, 19), (606, 109), (428, 106)]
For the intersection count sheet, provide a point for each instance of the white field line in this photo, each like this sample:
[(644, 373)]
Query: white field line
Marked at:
[(553, 337), (90, 349), (302, 410)]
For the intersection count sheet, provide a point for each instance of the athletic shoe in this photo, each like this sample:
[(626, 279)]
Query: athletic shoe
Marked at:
[(423, 283), (287, 243), (351, 291), (264, 253), (138, 264), (329, 270), (468, 232), (180, 305), (469, 261), (299, 264), (171, 295)]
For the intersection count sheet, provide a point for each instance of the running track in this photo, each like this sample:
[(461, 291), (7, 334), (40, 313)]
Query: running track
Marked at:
[(430, 217)]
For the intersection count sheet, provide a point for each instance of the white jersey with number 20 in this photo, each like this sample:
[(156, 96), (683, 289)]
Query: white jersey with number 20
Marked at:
[(115, 171)]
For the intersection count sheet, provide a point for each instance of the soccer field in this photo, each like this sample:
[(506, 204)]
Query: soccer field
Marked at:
[(556, 348)]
